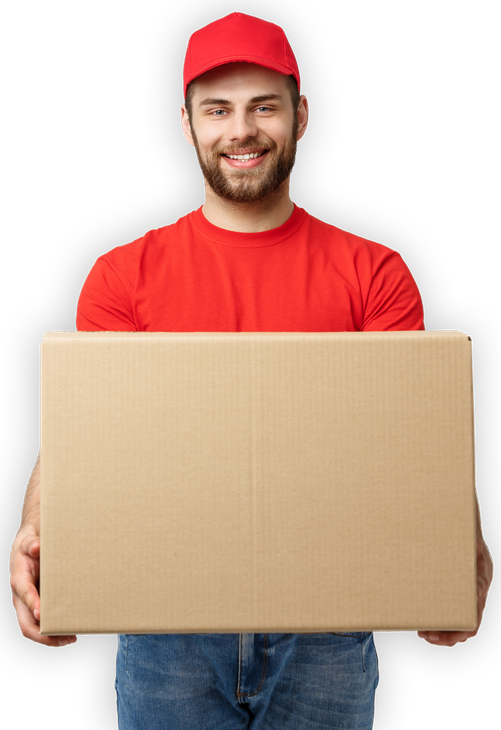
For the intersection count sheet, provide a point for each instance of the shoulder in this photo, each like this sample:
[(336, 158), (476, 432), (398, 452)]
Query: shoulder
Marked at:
[(333, 234), (130, 254)]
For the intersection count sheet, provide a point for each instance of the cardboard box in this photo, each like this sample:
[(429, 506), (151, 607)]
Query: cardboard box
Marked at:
[(257, 482)]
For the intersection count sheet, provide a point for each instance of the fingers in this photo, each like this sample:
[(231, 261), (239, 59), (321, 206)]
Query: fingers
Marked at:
[(25, 565), (26, 570), (31, 630), (446, 638), (29, 620), (33, 549)]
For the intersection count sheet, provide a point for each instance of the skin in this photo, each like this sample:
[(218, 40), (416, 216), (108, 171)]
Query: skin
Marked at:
[(25, 567), (237, 126)]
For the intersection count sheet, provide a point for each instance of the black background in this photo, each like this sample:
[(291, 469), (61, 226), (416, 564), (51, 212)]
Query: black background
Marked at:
[(397, 151)]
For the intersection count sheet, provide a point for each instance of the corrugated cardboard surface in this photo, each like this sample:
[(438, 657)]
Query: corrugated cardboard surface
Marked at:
[(257, 482)]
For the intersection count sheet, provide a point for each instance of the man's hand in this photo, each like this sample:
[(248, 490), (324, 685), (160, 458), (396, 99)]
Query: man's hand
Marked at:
[(24, 568), (484, 579)]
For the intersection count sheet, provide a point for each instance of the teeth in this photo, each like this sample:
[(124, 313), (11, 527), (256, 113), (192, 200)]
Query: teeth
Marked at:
[(251, 156)]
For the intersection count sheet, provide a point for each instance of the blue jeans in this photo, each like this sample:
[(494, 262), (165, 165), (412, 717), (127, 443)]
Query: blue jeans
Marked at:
[(255, 681)]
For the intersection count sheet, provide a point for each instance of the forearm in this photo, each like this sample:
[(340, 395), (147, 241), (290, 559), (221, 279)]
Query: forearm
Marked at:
[(485, 566), (30, 520)]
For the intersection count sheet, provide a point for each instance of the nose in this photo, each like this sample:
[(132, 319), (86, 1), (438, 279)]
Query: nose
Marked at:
[(242, 126)]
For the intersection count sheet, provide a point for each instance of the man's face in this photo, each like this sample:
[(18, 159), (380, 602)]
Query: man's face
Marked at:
[(244, 131)]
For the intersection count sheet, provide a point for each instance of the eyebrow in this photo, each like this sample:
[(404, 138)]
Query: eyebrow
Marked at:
[(210, 101)]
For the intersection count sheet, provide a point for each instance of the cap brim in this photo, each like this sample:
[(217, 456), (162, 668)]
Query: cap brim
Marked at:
[(257, 60)]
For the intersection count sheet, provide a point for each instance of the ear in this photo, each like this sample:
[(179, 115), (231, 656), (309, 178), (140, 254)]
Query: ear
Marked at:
[(302, 116), (185, 123)]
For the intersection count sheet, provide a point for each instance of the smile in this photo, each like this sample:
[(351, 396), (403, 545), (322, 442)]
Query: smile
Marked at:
[(245, 161), (247, 156)]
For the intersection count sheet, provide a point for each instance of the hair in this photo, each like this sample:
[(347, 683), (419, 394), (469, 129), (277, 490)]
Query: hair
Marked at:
[(291, 83)]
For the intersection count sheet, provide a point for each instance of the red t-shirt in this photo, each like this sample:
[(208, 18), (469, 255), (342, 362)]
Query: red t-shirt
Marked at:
[(305, 276)]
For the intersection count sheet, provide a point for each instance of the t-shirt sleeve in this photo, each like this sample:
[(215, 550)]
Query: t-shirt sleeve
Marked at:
[(393, 301), (105, 302)]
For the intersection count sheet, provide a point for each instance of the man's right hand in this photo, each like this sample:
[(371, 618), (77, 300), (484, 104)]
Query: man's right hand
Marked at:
[(24, 572)]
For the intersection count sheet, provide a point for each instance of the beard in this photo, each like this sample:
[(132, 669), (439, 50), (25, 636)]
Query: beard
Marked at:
[(248, 186)]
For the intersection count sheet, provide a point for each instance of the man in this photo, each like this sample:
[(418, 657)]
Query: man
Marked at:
[(247, 260)]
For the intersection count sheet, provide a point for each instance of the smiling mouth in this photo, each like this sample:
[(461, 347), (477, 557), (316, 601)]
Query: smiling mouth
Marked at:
[(247, 156)]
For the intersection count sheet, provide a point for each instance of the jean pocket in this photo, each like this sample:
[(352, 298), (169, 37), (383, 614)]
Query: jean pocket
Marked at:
[(362, 649)]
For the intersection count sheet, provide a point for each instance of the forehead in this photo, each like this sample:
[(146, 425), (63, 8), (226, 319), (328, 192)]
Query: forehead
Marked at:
[(238, 81)]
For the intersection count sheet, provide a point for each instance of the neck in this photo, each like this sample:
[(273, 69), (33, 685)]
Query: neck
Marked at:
[(263, 215)]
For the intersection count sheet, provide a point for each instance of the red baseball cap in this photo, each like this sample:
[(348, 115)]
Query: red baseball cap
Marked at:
[(239, 37)]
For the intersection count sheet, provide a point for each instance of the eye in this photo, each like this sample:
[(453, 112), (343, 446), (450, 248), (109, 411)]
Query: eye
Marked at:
[(218, 112), (263, 109)]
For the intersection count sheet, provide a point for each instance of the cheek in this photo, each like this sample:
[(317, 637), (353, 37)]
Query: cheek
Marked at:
[(211, 142), (278, 132)]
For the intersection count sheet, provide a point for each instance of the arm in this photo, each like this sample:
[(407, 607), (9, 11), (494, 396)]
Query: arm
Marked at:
[(484, 579), (104, 304), (24, 567)]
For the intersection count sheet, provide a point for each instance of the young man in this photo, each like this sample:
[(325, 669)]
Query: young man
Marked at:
[(247, 260)]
